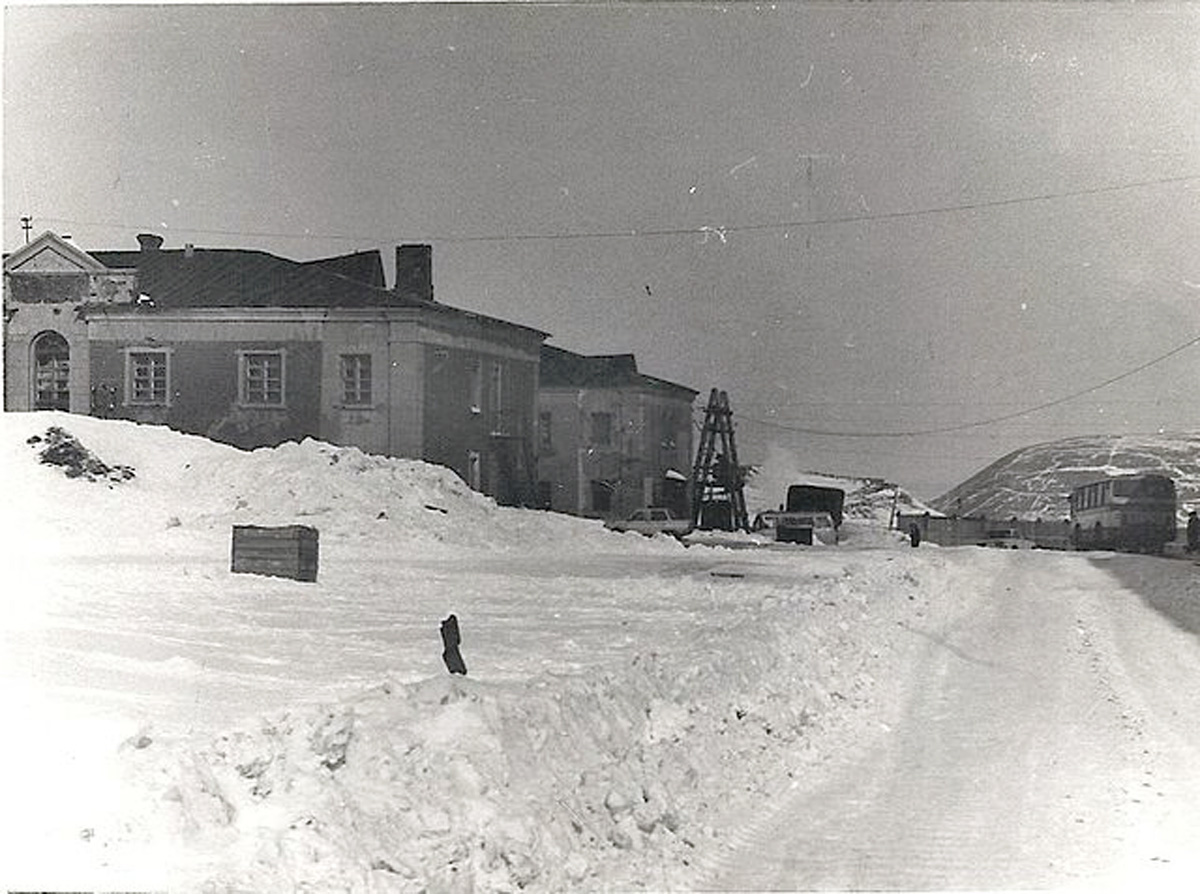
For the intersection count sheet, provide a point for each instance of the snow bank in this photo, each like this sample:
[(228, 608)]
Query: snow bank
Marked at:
[(629, 701), (621, 775), (196, 486)]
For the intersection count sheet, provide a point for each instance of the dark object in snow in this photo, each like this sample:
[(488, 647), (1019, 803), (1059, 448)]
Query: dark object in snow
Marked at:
[(1193, 532), (451, 639), (288, 551), (914, 534), (433, 508), (63, 449)]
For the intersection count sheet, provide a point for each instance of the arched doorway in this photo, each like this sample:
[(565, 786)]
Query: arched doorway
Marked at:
[(51, 372)]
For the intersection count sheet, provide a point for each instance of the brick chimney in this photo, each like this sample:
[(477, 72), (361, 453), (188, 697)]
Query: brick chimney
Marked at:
[(414, 272), (149, 241)]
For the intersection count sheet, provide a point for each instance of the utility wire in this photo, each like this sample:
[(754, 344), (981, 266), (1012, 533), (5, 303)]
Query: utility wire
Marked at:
[(707, 231), (982, 422)]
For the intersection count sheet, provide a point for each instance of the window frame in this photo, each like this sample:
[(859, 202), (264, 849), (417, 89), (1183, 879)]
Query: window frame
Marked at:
[(362, 397), (244, 398), (593, 439), (496, 397), (131, 397), (57, 372), (475, 384)]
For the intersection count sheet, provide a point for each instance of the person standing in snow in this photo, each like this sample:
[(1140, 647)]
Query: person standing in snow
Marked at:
[(1193, 532), (450, 640), (914, 534)]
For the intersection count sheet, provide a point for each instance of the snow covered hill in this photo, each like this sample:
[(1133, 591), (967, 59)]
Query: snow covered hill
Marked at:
[(1034, 482), (867, 499)]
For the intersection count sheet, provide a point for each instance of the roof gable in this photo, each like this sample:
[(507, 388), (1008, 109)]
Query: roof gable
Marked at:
[(50, 253), (363, 266), (565, 369)]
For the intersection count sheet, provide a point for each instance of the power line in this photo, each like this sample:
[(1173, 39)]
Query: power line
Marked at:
[(982, 422), (707, 231)]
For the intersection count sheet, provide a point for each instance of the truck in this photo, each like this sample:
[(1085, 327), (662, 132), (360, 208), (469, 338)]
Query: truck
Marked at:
[(802, 514)]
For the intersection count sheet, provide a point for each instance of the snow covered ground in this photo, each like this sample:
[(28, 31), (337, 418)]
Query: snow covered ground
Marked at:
[(634, 710)]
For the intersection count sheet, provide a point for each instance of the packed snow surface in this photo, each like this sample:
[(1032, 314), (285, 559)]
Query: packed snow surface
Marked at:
[(637, 714)]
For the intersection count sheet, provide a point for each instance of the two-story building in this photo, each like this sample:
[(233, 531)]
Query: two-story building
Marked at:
[(252, 349), (609, 438)]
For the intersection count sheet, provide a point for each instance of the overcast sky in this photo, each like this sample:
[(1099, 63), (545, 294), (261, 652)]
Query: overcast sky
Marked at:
[(865, 219)]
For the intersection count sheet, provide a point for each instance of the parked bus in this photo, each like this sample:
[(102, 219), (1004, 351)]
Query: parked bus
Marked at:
[(1131, 513)]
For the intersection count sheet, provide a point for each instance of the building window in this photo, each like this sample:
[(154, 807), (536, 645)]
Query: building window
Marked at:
[(496, 398), (52, 372), (260, 378), (475, 385), (497, 393), (602, 429), (356, 379), (545, 441), (474, 470), (147, 376), (602, 494)]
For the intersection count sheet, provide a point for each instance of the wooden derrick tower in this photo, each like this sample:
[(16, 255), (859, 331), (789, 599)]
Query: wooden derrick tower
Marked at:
[(717, 497)]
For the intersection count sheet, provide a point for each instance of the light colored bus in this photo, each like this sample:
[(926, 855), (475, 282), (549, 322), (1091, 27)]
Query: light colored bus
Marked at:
[(1131, 513)]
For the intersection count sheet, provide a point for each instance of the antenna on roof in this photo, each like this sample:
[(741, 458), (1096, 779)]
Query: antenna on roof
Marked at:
[(26, 225)]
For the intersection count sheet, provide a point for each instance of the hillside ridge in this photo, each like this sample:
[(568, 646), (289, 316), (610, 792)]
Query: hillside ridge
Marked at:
[(1035, 481)]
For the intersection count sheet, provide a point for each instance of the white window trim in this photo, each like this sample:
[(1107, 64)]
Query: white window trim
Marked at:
[(130, 400), (361, 405), (496, 398), (475, 384), (241, 379)]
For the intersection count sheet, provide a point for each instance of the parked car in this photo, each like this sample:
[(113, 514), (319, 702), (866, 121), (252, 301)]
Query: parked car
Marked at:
[(765, 521), (806, 527), (1006, 538), (652, 520)]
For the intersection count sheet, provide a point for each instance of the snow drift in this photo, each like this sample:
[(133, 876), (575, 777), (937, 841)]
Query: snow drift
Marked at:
[(629, 700)]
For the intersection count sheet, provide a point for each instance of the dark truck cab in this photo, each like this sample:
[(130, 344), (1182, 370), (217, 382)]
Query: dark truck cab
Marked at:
[(795, 523)]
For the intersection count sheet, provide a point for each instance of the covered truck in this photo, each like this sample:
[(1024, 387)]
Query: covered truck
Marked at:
[(805, 502)]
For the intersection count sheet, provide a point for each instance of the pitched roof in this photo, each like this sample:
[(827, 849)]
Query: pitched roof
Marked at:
[(363, 266), (117, 260), (225, 277), (236, 277), (565, 369), (50, 253)]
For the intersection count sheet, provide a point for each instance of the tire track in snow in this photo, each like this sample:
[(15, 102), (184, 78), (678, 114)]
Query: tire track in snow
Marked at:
[(1017, 763)]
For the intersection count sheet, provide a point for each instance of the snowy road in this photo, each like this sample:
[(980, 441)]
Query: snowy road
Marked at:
[(1052, 738)]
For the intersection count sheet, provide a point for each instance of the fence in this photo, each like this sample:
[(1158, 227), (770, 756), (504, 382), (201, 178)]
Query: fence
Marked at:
[(972, 529)]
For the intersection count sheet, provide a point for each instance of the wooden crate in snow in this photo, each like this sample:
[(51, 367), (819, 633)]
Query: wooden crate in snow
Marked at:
[(287, 551)]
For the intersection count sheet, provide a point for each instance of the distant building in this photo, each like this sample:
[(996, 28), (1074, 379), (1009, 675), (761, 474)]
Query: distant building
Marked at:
[(253, 349), (609, 438)]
